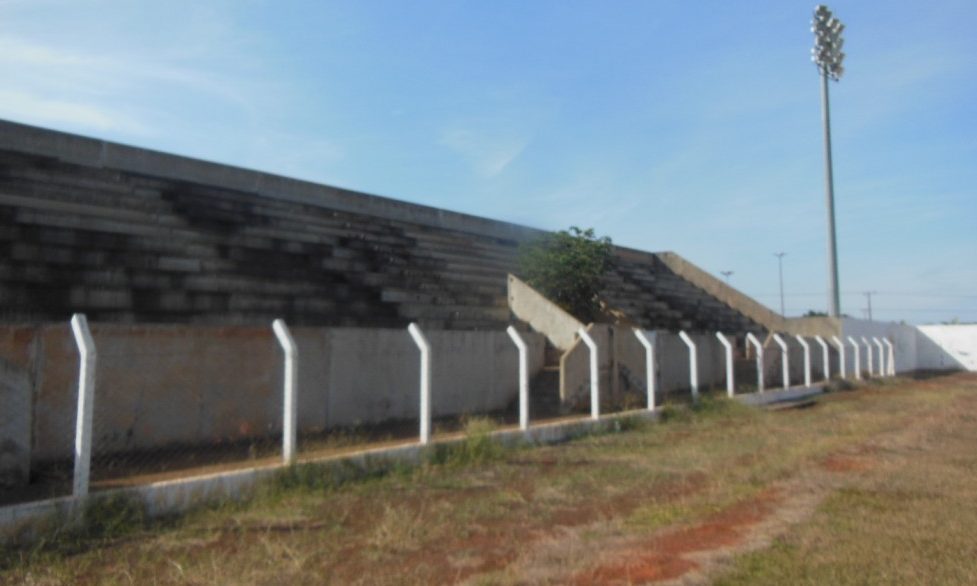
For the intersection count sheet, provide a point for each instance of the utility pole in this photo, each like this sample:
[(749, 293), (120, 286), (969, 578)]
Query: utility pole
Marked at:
[(828, 56), (868, 296), (780, 270), (726, 274)]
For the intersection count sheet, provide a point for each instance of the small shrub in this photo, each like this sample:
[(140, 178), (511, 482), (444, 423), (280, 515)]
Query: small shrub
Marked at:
[(478, 446), (568, 267)]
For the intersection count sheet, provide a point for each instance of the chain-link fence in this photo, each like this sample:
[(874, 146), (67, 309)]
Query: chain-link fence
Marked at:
[(177, 401)]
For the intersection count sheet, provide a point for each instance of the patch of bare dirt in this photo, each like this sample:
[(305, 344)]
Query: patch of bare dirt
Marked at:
[(694, 554), (663, 557)]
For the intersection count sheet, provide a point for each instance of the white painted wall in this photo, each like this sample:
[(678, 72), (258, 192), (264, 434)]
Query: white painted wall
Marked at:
[(947, 347)]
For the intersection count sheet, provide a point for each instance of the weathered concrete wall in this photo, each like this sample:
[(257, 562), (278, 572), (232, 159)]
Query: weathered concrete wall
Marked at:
[(673, 362), (559, 327), (904, 338), (575, 366), (813, 326), (773, 361), (627, 360), (163, 385), (15, 424)]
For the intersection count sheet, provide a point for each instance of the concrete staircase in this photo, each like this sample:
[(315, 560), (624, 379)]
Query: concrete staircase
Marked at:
[(544, 388)]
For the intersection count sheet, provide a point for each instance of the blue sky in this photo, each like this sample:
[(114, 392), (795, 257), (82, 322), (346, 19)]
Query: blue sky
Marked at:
[(667, 125)]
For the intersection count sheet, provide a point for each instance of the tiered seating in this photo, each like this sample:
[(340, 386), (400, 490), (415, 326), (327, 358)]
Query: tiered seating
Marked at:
[(128, 247), (124, 247), (649, 293)]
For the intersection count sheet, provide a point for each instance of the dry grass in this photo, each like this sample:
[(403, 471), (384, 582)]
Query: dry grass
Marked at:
[(884, 472)]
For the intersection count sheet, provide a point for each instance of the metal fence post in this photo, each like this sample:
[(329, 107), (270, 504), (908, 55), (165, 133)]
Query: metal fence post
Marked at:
[(880, 367), (693, 364), (825, 357), (649, 365), (868, 356), (425, 348), (807, 360), (730, 384), (759, 359), (858, 358), (892, 356), (290, 408), (784, 358), (86, 402), (841, 355), (523, 377), (594, 374)]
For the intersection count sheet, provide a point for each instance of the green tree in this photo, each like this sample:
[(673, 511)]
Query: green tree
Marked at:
[(568, 268)]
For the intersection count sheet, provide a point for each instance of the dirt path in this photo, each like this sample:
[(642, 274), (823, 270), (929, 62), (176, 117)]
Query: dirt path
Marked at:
[(602, 553)]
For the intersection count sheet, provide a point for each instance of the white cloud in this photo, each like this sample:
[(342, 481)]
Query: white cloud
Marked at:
[(489, 153), (37, 109)]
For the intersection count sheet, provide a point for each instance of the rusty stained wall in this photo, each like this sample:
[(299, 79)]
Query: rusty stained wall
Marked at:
[(164, 385)]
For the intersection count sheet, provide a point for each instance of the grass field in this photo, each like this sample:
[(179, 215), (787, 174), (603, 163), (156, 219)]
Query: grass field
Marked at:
[(872, 486)]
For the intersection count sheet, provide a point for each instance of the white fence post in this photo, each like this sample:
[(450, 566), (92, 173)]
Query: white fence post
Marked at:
[(858, 358), (807, 360), (759, 359), (693, 364), (868, 356), (523, 377), (86, 402), (784, 359), (880, 368), (892, 356), (730, 384), (649, 365), (287, 343), (841, 355), (425, 348), (594, 374), (825, 357)]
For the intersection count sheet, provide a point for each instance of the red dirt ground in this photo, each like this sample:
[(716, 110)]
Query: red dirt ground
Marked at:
[(662, 557)]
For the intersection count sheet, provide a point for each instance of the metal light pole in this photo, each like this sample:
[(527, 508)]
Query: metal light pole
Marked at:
[(780, 270), (828, 56), (726, 274)]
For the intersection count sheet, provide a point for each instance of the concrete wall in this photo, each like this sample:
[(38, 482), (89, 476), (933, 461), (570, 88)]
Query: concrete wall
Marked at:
[(773, 361), (575, 366), (903, 337), (163, 385), (623, 367), (15, 425), (947, 346), (559, 327)]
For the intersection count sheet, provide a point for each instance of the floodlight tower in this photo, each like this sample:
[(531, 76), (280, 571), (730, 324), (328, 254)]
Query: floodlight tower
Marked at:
[(828, 56)]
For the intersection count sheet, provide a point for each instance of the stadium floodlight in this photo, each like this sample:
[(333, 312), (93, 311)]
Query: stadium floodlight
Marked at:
[(828, 56)]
